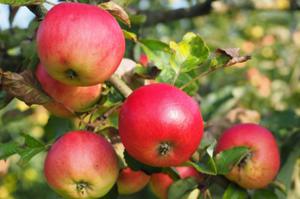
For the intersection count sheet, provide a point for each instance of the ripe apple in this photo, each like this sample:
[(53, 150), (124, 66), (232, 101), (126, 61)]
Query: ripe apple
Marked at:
[(80, 44), (144, 60), (261, 166), (130, 181), (160, 125), (160, 182), (81, 164), (67, 99)]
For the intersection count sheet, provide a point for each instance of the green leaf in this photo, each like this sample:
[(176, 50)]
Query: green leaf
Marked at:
[(56, 127), (189, 53), (150, 72), (130, 35), (5, 99), (27, 154), (136, 165), (22, 2), (14, 115), (172, 172), (263, 194), (191, 89), (181, 187), (158, 52), (31, 142), (8, 149), (235, 192), (225, 160)]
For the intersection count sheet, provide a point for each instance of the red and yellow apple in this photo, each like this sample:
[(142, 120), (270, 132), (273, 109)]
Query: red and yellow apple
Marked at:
[(67, 99), (80, 44), (130, 181), (160, 125), (160, 182), (81, 164), (261, 166)]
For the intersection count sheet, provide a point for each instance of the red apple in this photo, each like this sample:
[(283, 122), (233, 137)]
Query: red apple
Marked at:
[(261, 166), (80, 44), (160, 125), (130, 181), (67, 99), (144, 60), (81, 164), (160, 182)]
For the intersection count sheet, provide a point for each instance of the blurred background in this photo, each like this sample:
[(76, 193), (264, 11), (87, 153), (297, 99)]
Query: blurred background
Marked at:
[(264, 90)]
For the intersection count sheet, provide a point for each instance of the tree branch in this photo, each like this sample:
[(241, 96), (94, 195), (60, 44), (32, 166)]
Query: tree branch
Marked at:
[(39, 11), (158, 16), (120, 85)]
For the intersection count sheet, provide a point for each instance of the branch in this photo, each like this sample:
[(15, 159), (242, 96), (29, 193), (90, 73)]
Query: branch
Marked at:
[(120, 85), (39, 11), (158, 16)]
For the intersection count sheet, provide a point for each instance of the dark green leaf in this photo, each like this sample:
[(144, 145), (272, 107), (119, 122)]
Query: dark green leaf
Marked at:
[(56, 127), (27, 154), (136, 165), (264, 194), (150, 72), (8, 149), (181, 187), (225, 160), (235, 192), (5, 99), (31, 142)]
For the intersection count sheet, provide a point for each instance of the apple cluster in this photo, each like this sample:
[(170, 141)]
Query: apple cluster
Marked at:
[(80, 46)]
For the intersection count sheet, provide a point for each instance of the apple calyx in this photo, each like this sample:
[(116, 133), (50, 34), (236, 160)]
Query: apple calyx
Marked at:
[(83, 187), (164, 148), (71, 74)]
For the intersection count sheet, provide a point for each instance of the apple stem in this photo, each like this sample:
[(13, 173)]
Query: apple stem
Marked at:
[(164, 148), (120, 85)]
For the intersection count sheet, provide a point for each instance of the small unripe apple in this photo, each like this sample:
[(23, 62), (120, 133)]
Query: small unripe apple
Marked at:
[(160, 182), (130, 181), (80, 44), (160, 125), (261, 165), (67, 99), (81, 164)]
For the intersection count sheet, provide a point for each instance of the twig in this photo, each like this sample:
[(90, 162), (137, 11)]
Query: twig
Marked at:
[(120, 85), (39, 11)]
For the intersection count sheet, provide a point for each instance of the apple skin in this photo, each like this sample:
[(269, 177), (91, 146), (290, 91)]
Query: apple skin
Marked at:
[(80, 44), (81, 165), (67, 99), (130, 181), (262, 166), (160, 182), (143, 60), (160, 125)]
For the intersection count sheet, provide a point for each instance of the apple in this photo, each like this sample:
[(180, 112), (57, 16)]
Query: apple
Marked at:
[(80, 44), (67, 99), (81, 164), (144, 60), (261, 166), (160, 125), (130, 181), (160, 182), (4, 165)]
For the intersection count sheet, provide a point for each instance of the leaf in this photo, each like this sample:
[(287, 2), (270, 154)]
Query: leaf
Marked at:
[(24, 87), (230, 56), (192, 88), (225, 160), (189, 53), (263, 194), (149, 72), (117, 11), (15, 115), (136, 165), (30, 148), (172, 172), (8, 149), (130, 35), (56, 127), (181, 187), (235, 192), (22, 2), (5, 99)]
